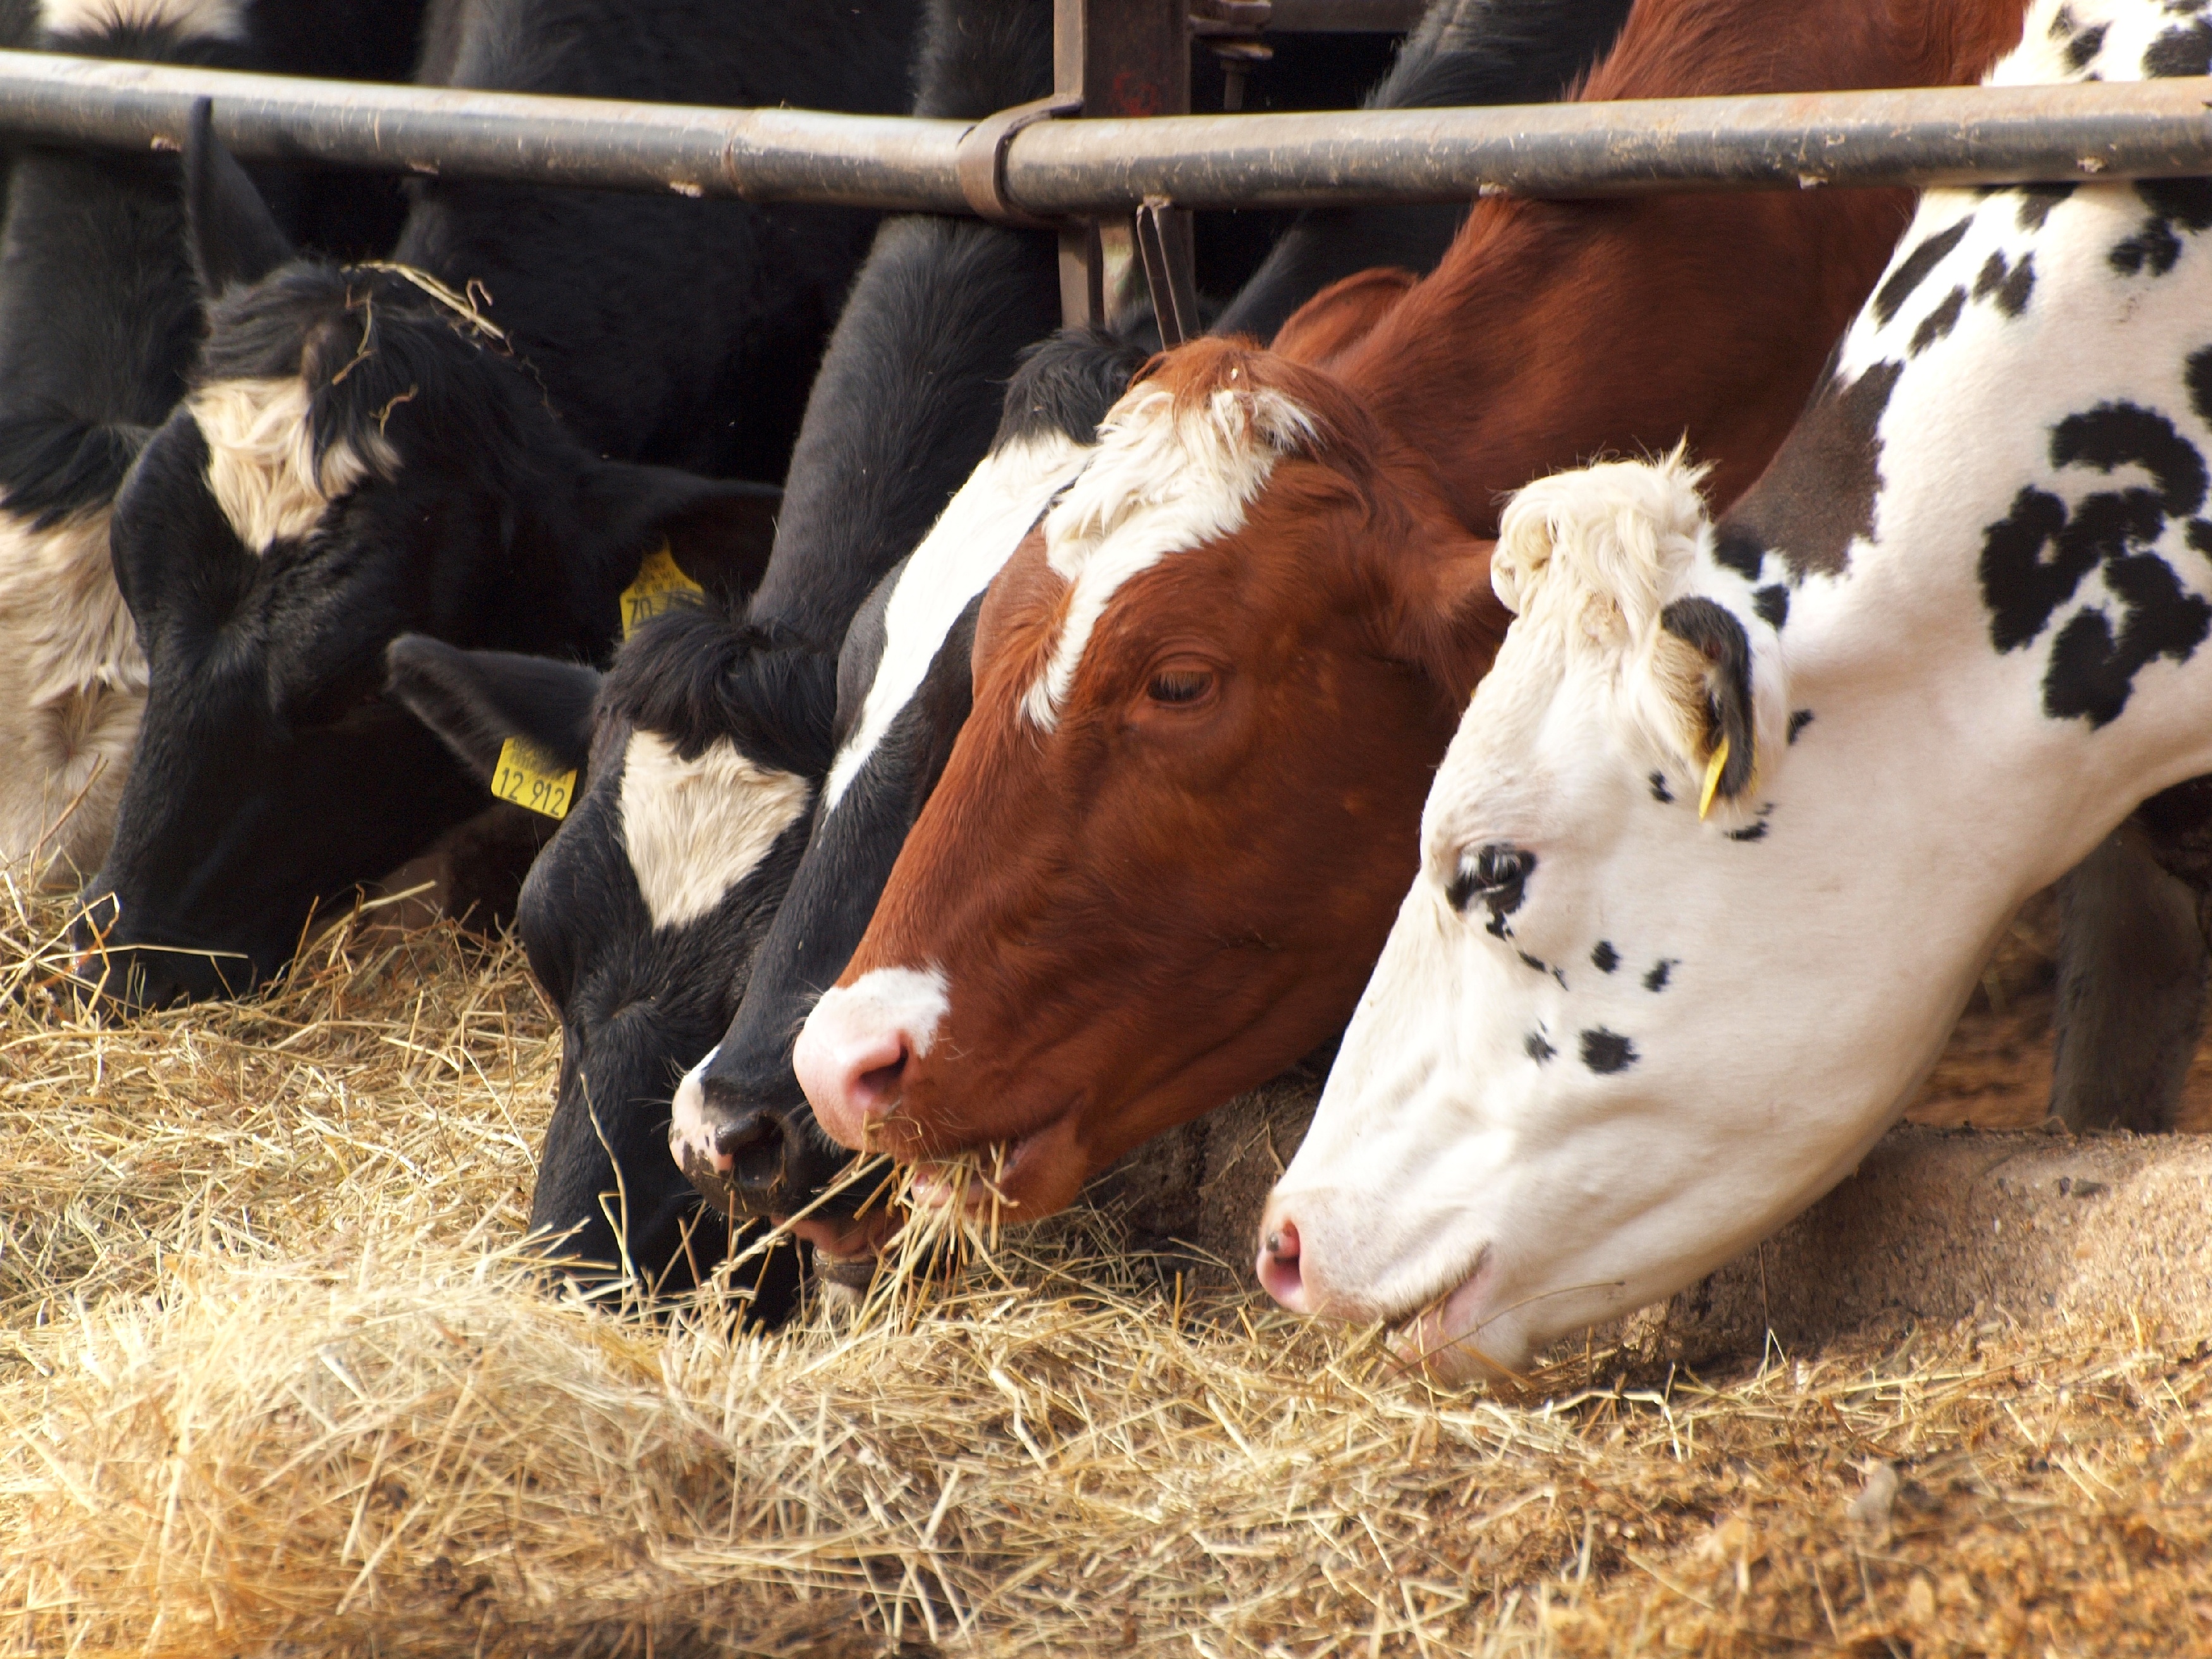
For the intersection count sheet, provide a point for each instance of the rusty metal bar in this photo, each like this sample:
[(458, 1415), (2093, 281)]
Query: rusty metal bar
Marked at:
[(1116, 58), (1102, 168), (1306, 16)]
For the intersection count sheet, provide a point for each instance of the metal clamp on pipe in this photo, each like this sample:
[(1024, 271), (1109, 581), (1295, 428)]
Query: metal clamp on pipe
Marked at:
[(981, 159)]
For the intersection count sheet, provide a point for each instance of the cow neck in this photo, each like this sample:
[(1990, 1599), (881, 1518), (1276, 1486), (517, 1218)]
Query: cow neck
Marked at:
[(1553, 330)]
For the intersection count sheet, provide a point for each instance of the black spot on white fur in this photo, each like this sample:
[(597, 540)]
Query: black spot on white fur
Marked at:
[(1606, 1052), (1662, 970), (2082, 50), (1938, 323), (1799, 720), (2185, 51), (1537, 1048), (2092, 664), (2155, 247), (1605, 958), (2009, 285), (1913, 268), (1738, 550), (1772, 605), (2036, 202), (1659, 790)]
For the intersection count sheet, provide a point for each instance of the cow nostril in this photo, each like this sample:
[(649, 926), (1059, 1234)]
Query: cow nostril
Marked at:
[(881, 1083), (1278, 1266), (748, 1137)]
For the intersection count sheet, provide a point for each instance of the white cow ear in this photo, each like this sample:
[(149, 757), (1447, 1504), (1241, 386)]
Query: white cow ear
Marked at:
[(1609, 540)]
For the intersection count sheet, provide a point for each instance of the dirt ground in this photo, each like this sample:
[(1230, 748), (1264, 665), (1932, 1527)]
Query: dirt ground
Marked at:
[(1995, 1074)]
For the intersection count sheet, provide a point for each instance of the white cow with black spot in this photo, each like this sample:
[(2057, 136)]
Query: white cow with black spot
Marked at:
[(1729, 831)]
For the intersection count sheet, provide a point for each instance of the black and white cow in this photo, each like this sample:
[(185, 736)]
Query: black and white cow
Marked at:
[(450, 444), (1762, 791), (713, 729), (99, 323), (742, 1125)]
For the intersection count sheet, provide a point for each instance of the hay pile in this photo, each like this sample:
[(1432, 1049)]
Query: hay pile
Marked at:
[(272, 1382)]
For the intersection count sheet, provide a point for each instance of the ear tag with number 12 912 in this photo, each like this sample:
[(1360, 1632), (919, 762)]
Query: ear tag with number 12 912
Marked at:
[(525, 776), (660, 584)]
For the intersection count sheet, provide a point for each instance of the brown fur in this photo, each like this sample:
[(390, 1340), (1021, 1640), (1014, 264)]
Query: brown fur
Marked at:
[(1150, 908)]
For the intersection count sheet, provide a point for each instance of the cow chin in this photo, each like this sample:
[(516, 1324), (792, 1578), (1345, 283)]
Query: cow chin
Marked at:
[(1456, 1342), (1033, 1176)]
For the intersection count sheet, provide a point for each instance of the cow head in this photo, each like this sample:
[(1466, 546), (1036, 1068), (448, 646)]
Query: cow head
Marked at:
[(1202, 702), (357, 458), (697, 760), (1511, 1080)]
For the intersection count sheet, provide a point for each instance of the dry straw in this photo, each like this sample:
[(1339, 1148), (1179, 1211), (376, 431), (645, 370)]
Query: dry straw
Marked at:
[(275, 1380)]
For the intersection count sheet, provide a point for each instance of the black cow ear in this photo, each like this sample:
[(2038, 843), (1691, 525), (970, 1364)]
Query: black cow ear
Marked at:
[(1714, 678), (475, 701), (234, 237), (719, 531)]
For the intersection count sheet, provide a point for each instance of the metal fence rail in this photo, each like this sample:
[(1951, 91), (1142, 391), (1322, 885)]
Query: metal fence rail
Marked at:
[(1099, 168)]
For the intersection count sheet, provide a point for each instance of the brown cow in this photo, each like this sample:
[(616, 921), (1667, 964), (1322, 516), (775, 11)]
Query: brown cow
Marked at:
[(1212, 688)]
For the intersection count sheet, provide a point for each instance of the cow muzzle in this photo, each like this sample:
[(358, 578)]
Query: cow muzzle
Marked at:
[(860, 1044)]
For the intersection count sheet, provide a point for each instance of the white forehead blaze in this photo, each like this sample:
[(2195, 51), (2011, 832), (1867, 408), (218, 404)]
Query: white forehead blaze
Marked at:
[(1165, 479), (969, 543), (261, 466), (220, 20), (694, 829)]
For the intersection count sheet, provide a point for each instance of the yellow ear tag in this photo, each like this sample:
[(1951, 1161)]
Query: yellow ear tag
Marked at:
[(1712, 779), (525, 776), (660, 585)]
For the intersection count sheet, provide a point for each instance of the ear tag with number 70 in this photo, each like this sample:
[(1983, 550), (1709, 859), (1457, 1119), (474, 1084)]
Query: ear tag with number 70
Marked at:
[(525, 776), (660, 585)]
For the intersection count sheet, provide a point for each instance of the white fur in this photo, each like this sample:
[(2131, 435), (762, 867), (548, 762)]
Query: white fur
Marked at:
[(969, 543), (1820, 935), (1162, 480), (696, 829), (915, 1000), (72, 692), (214, 20), (261, 460), (689, 1133)]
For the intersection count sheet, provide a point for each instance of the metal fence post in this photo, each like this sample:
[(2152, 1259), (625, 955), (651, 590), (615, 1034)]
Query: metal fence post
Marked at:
[(1121, 57)]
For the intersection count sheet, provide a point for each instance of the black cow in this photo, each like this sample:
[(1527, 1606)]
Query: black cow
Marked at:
[(373, 450), (99, 324), (715, 725), (744, 1130)]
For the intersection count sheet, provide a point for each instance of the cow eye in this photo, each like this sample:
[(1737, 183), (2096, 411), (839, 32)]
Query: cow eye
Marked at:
[(1496, 875), (1179, 685)]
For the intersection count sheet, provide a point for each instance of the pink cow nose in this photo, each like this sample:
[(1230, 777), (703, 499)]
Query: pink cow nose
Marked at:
[(1279, 1264), (852, 1074)]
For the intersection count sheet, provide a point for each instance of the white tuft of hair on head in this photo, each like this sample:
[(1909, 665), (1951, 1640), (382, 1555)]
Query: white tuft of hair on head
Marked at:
[(1169, 475), (199, 20), (262, 468), (1613, 539)]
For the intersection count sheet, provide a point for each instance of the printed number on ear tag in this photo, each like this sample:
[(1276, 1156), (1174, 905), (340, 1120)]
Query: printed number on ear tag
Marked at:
[(660, 585), (525, 776)]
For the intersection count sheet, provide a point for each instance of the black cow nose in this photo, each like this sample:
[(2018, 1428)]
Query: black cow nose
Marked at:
[(748, 1138)]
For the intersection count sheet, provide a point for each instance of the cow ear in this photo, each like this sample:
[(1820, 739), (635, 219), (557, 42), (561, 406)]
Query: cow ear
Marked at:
[(719, 531), (1703, 661), (1339, 317), (234, 237), (475, 701), (1448, 622)]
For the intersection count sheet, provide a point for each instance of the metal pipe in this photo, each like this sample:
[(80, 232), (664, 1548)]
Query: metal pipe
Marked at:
[(1097, 168)]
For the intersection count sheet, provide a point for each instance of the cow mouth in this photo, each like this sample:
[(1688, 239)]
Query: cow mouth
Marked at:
[(1442, 1337), (846, 1248)]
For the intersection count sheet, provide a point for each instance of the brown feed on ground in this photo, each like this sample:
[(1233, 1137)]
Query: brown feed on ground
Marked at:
[(271, 1383)]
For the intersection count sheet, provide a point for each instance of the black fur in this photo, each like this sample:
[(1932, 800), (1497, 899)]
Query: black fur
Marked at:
[(685, 332), (902, 408), (475, 701), (1464, 53), (1714, 630)]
